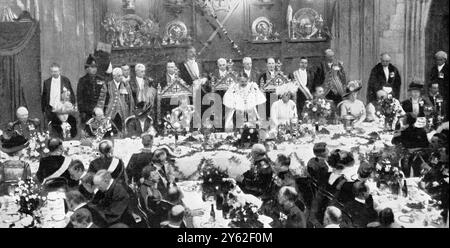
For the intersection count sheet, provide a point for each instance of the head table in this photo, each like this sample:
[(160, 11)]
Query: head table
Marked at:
[(236, 162)]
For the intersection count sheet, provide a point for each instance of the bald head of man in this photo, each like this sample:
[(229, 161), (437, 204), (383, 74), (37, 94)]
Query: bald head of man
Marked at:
[(22, 114), (106, 148), (333, 216)]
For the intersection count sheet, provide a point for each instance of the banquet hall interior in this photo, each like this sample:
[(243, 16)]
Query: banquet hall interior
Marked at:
[(224, 113)]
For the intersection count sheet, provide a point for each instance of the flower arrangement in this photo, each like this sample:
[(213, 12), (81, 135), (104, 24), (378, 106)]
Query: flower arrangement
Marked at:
[(245, 217), (317, 110), (213, 178), (38, 145), (27, 196), (389, 175), (390, 109)]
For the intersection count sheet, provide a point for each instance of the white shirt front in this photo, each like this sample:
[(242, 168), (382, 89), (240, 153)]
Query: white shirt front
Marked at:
[(415, 106), (171, 77), (117, 84), (193, 66), (222, 74), (140, 82), (55, 92), (271, 74), (303, 77), (440, 67), (248, 72), (142, 125), (386, 72)]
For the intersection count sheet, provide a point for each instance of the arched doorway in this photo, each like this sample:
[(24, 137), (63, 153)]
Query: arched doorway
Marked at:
[(436, 32)]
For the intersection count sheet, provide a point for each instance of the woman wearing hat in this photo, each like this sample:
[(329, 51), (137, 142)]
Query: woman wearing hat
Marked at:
[(64, 126), (351, 105), (13, 168), (284, 110), (415, 104)]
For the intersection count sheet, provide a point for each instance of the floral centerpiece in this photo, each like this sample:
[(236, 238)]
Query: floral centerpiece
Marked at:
[(38, 146), (390, 175), (317, 110), (213, 177), (390, 109), (245, 217), (27, 196)]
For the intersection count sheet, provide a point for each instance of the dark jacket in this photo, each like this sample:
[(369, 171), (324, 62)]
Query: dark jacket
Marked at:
[(254, 75), (149, 93), (49, 165), (361, 214), (378, 79), (443, 84), (296, 218), (88, 92), (412, 137), (322, 70), (114, 206), (45, 100), (408, 107), (103, 163), (137, 163), (97, 219), (301, 98), (186, 76), (133, 126), (318, 170), (56, 129)]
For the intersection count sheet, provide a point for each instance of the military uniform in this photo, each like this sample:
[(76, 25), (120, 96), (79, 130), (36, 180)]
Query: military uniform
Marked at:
[(88, 92), (93, 125), (26, 129)]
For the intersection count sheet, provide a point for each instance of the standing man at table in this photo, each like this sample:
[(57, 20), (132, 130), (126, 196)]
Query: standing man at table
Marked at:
[(384, 76)]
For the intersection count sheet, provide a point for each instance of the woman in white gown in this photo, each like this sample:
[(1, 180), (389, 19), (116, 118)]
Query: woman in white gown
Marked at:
[(351, 105), (284, 110), (243, 98)]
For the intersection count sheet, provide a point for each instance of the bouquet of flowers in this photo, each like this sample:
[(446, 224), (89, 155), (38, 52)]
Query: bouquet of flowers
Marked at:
[(213, 178), (38, 145), (27, 196), (245, 217), (390, 109), (389, 175), (317, 110)]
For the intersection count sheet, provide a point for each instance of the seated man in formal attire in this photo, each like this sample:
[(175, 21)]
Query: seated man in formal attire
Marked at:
[(284, 111), (351, 105), (116, 99), (13, 167), (82, 218), (318, 168), (332, 217), (243, 98), (248, 70), (411, 136), (375, 106), (140, 160), (108, 162), (24, 125), (164, 168), (362, 213), (101, 126), (114, 206), (140, 122), (176, 218), (304, 78), (64, 126), (79, 174), (76, 201), (384, 76), (415, 103), (54, 165), (221, 71), (331, 75), (295, 213)]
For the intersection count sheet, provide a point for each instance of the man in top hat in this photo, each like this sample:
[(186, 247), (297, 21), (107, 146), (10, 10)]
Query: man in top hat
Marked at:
[(88, 90), (351, 105), (53, 90), (144, 90), (13, 168), (24, 125), (108, 162), (441, 74), (116, 98), (55, 165), (305, 79), (331, 75), (140, 122), (100, 126), (415, 103), (384, 76)]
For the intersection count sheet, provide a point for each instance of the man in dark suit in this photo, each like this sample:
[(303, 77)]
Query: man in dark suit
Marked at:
[(140, 160), (114, 205), (305, 79), (415, 103), (53, 90), (440, 73), (55, 165), (248, 69), (331, 75), (76, 201), (361, 211), (384, 76), (191, 70), (143, 89), (24, 125), (108, 162), (88, 90)]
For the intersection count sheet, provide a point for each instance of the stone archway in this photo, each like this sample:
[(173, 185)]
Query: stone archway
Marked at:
[(436, 32)]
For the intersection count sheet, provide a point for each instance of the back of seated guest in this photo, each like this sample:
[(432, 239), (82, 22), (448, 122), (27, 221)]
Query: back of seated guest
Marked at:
[(296, 217), (318, 168), (82, 219), (76, 201), (360, 210), (332, 218), (411, 137), (150, 196), (176, 218), (387, 220)]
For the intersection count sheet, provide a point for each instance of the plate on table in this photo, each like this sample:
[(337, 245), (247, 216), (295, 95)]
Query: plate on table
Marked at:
[(209, 224), (191, 188), (197, 212), (406, 219)]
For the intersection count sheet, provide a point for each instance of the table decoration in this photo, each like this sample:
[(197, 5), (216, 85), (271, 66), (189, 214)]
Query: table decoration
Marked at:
[(245, 217)]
